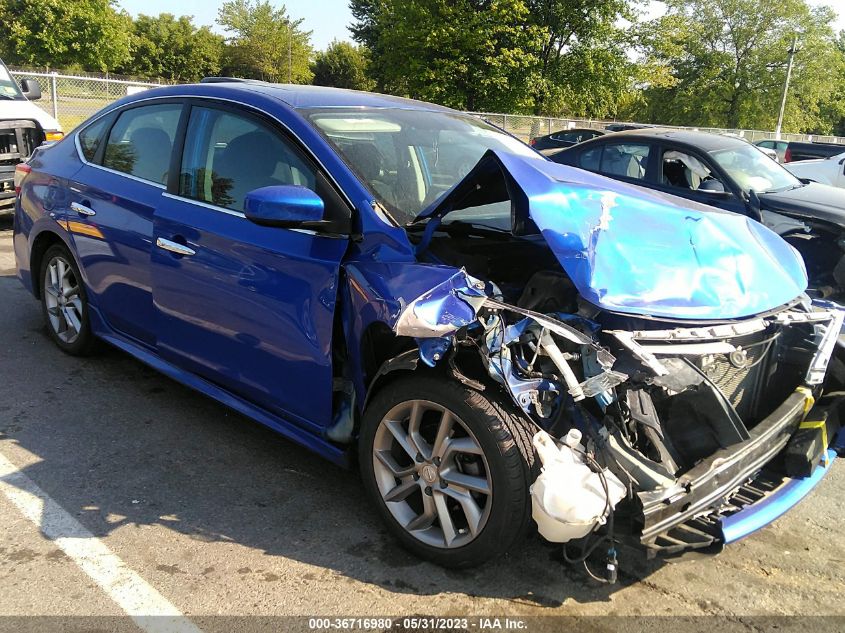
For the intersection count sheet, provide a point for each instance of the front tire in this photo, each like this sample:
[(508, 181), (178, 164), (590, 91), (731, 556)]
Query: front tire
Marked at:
[(64, 302), (448, 468)]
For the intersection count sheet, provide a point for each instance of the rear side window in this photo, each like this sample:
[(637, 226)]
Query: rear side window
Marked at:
[(141, 141), (625, 159), (590, 159), (91, 137)]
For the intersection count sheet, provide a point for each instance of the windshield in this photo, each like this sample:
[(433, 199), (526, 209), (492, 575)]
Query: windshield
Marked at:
[(409, 158), (751, 169), (8, 86)]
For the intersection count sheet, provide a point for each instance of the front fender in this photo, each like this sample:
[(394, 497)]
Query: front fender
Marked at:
[(388, 293)]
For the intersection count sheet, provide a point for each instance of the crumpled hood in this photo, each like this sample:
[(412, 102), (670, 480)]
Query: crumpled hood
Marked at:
[(636, 251)]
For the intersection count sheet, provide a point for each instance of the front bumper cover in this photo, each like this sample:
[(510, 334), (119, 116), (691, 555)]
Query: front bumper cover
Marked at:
[(707, 488), (760, 514)]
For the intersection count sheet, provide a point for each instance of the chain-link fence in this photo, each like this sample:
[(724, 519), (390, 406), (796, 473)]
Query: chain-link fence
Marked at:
[(528, 127), (73, 98)]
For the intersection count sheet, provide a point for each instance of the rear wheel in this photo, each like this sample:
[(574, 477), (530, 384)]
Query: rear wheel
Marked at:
[(64, 302), (448, 468)]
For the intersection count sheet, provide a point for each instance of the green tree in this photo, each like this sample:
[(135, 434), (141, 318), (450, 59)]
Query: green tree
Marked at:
[(468, 54), (167, 47), (725, 63), (832, 112), (264, 42), (583, 65), (542, 56), (342, 65), (91, 34)]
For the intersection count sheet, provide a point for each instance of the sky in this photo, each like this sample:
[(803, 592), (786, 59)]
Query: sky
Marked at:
[(328, 19)]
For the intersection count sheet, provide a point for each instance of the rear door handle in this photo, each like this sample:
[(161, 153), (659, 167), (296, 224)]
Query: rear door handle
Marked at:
[(81, 209), (174, 247)]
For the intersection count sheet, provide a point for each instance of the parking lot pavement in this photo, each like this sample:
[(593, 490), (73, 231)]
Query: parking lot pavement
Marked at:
[(218, 515)]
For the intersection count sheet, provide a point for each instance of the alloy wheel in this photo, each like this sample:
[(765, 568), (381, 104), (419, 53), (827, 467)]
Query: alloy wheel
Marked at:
[(432, 474), (63, 299)]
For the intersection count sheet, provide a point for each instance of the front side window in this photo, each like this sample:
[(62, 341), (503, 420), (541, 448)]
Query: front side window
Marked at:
[(141, 141), (226, 156), (625, 159), (409, 158), (684, 171)]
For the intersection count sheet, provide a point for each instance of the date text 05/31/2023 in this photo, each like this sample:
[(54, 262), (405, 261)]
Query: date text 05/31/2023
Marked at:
[(417, 623)]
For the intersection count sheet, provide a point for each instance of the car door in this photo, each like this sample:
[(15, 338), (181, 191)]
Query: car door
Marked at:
[(838, 168), (692, 175), (126, 158), (248, 307)]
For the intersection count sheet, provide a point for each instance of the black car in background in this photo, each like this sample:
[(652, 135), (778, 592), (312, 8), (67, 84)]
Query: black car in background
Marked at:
[(624, 127), (731, 174), (797, 150), (564, 138)]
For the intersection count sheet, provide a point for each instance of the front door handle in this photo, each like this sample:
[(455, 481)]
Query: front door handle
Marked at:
[(81, 209), (174, 247)]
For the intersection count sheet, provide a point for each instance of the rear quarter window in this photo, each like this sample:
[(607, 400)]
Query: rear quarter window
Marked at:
[(92, 136)]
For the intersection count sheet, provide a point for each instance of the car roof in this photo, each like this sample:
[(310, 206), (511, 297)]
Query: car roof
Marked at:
[(301, 96), (706, 141)]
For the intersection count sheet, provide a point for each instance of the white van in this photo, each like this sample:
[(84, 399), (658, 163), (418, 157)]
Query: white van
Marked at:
[(23, 127)]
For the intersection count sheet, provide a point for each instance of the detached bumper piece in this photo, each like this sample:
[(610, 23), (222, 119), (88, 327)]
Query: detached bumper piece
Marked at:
[(743, 488), (773, 505)]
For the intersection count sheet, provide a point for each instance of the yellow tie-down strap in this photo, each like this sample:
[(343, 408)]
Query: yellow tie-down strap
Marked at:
[(809, 400), (818, 424), (814, 424)]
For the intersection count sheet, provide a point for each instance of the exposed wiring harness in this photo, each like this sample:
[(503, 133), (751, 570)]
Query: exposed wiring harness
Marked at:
[(586, 551)]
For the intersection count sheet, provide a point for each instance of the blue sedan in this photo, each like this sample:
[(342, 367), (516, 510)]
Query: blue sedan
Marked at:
[(402, 285)]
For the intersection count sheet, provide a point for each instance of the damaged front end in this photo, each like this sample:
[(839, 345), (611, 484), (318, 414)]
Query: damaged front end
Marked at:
[(698, 424), (682, 389)]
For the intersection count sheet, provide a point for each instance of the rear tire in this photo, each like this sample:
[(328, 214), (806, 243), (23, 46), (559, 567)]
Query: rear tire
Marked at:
[(64, 302), (448, 468)]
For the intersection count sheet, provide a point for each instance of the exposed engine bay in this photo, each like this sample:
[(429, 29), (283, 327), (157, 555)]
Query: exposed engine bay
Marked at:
[(822, 249), (661, 421)]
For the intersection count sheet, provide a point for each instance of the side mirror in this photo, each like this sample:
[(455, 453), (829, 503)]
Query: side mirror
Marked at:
[(285, 206), (31, 89), (713, 186)]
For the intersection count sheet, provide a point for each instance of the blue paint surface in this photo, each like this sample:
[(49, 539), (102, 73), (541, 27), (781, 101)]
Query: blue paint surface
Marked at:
[(637, 251)]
